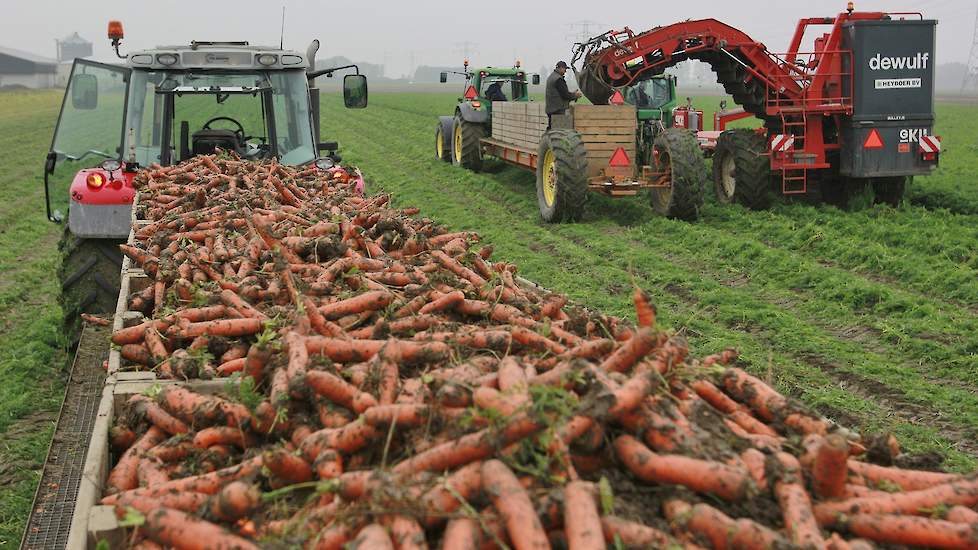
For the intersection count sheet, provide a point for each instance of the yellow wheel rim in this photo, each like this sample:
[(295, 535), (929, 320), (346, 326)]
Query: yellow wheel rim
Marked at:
[(458, 142), (549, 177), (440, 144)]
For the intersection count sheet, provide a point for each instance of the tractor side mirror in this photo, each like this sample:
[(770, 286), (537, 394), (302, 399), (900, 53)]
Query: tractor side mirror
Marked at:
[(84, 92), (328, 146), (355, 91), (50, 162), (535, 80), (443, 77)]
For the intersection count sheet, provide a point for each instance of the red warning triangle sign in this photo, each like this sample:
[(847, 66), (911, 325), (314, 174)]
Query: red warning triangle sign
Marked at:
[(617, 98), (619, 159), (471, 93), (873, 140)]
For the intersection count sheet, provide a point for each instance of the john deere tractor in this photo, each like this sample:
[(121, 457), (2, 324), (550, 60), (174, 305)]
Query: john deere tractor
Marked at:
[(164, 106), (457, 136)]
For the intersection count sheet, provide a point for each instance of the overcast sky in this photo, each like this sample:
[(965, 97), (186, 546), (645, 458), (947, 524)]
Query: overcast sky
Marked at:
[(404, 34)]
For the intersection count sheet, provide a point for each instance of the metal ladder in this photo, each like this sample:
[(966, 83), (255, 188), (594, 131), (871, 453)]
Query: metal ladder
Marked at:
[(794, 174)]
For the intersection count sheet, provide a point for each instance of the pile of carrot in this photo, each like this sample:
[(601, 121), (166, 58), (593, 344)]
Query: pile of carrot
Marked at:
[(391, 388)]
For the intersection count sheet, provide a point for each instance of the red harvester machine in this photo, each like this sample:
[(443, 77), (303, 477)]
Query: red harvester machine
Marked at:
[(855, 112)]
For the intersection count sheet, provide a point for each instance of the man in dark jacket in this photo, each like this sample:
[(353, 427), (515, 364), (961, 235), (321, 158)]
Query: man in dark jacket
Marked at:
[(558, 97)]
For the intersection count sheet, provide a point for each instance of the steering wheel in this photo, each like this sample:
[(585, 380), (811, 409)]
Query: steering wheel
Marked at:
[(238, 132)]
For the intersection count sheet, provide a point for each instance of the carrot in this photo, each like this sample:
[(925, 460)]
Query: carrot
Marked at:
[(185, 501), (916, 531), (137, 353), (644, 309), (796, 507), (239, 304), (94, 320), (462, 534), (222, 327), (962, 492), (443, 500), (372, 537), (699, 475), (121, 437), (145, 260), (230, 367), (349, 439), (908, 480), (134, 334), (445, 302), (199, 314), (631, 351), (634, 535), (389, 376), (403, 415), (190, 407), (468, 448), (339, 391), (234, 501), (155, 414), (368, 301), (494, 400), (738, 413), (172, 450), (513, 504), (720, 530), (334, 536), (961, 514), (150, 472), (582, 523), (405, 533), (761, 397), (829, 470), (209, 483), (345, 351), (223, 435), (179, 530), (287, 466), (124, 474)]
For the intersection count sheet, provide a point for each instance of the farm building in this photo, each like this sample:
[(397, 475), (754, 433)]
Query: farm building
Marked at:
[(20, 68)]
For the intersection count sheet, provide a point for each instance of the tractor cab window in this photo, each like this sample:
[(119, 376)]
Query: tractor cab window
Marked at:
[(492, 89), (176, 115), (90, 125), (649, 94)]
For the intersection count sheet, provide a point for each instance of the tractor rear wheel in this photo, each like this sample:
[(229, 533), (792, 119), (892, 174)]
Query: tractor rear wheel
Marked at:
[(561, 176), (677, 151), (443, 138), (741, 170), (466, 147), (89, 274), (890, 190)]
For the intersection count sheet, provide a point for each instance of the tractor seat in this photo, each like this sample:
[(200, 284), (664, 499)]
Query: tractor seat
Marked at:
[(206, 141)]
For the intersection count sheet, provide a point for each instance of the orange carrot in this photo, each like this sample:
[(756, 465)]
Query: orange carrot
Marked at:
[(185, 502), (961, 514), (644, 308), (155, 414), (634, 535), (582, 523), (908, 480), (155, 345), (345, 351), (445, 302), (702, 476), (829, 471), (222, 327), (372, 537), (339, 391), (514, 506), (401, 414), (150, 472), (796, 507), (962, 492), (722, 531), (468, 448), (137, 353), (124, 475), (462, 533), (915, 531), (368, 301), (223, 435), (234, 501), (179, 530), (406, 533), (631, 351), (287, 466)]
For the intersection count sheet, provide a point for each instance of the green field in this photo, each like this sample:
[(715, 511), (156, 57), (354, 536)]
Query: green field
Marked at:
[(870, 316)]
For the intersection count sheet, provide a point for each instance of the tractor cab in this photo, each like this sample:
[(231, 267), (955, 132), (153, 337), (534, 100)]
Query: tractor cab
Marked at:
[(653, 98), (488, 84)]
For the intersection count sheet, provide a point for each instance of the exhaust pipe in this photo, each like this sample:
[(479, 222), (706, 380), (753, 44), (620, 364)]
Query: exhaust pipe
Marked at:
[(311, 54), (313, 90)]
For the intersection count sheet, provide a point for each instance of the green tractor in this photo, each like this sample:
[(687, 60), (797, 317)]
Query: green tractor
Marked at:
[(655, 101), (457, 137)]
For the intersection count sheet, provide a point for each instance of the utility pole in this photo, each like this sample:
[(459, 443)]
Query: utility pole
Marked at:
[(582, 31), (971, 75)]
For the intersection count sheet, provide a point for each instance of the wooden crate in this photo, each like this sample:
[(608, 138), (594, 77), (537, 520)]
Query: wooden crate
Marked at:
[(519, 123), (605, 128)]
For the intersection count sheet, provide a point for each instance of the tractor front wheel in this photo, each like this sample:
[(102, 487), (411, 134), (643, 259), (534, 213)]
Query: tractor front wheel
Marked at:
[(466, 145), (89, 274), (741, 170), (561, 176), (677, 153), (443, 138)]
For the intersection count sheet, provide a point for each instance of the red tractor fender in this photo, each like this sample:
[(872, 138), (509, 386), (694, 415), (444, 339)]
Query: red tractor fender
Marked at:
[(116, 187)]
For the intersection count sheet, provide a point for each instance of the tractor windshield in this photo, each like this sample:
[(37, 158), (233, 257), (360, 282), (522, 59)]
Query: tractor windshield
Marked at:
[(174, 115), (649, 94)]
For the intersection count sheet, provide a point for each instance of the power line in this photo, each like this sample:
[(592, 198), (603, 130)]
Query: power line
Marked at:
[(466, 48), (971, 74), (582, 31)]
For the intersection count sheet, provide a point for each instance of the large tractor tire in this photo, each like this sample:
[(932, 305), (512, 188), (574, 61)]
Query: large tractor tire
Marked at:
[(561, 176), (90, 275), (890, 190), (466, 147), (676, 151), (741, 169), (443, 138)]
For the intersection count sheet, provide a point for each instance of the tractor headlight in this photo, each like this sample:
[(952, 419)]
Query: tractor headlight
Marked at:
[(167, 59), (111, 165), (95, 180), (267, 59)]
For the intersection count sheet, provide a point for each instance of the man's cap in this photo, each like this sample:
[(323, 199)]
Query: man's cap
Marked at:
[(561, 65)]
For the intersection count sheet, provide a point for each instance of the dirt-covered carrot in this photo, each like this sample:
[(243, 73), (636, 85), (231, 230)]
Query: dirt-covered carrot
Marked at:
[(796, 506), (962, 492), (223, 435), (222, 327), (182, 531), (234, 501), (582, 523), (462, 533), (155, 414), (513, 504), (468, 448), (829, 470), (915, 531), (634, 535), (368, 301), (124, 475), (702, 476), (644, 309), (405, 533), (339, 391), (908, 480), (631, 351), (443, 499)]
